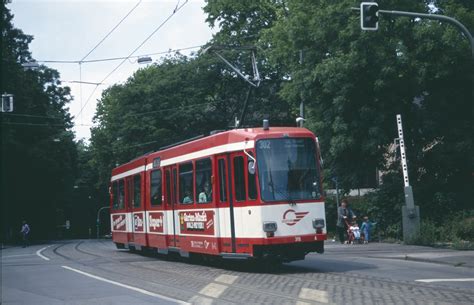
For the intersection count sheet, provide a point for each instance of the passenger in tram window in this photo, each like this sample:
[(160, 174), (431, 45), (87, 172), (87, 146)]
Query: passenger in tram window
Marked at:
[(206, 194), (187, 197), (121, 201), (156, 199)]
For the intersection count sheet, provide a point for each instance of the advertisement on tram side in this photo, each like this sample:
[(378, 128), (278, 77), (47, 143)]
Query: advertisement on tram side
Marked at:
[(197, 222), (119, 222), (155, 222)]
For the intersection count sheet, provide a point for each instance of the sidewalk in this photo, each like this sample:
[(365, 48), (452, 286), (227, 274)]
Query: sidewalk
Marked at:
[(458, 258)]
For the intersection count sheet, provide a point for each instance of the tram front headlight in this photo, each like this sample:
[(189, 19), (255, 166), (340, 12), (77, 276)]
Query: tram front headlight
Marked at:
[(319, 224), (270, 228)]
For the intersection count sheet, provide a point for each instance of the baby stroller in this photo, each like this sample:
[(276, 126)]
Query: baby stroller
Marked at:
[(353, 232)]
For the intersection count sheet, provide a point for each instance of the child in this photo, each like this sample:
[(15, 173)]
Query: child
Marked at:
[(366, 227), (355, 230)]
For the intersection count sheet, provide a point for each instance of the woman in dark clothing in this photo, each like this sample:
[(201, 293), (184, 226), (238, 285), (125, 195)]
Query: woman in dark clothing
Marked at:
[(343, 212)]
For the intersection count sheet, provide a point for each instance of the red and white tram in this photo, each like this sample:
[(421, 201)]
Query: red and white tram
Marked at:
[(244, 193)]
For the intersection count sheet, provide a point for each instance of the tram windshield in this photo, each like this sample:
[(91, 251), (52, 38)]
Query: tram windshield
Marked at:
[(287, 169)]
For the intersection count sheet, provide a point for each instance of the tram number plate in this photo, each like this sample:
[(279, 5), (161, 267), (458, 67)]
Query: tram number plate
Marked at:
[(264, 144), (297, 238)]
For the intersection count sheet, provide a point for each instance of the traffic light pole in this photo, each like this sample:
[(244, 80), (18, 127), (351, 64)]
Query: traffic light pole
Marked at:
[(433, 17), (436, 17), (98, 220)]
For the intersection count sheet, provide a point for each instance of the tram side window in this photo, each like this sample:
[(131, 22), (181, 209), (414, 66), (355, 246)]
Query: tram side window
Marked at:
[(128, 192), (252, 183), (155, 187), (239, 178), (114, 195), (203, 180), (137, 195), (168, 187), (222, 181), (175, 186), (186, 191), (121, 194)]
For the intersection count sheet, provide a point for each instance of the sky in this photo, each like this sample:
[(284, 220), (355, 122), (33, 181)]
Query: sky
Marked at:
[(67, 30)]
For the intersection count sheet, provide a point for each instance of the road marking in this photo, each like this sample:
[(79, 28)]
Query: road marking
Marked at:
[(201, 300), (320, 296), (446, 280), (143, 291), (41, 255), (213, 290), (226, 279)]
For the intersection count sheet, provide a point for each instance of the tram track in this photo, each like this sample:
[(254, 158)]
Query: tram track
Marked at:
[(164, 287), (189, 274), (377, 285), (56, 252), (199, 279)]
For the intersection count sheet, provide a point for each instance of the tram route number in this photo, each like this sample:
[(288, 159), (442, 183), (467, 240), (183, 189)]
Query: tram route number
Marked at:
[(264, 144)]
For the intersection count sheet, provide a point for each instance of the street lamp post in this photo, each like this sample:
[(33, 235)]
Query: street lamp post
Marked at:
[(98, 219), (337, 190)]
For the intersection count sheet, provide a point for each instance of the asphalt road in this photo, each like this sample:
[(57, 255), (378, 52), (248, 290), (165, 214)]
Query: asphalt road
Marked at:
[(94, 272)]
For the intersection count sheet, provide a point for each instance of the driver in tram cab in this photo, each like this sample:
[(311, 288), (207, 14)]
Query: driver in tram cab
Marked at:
[(205, 195)]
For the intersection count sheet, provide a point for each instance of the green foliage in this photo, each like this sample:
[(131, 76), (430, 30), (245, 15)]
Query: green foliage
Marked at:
[(455, 230), (430, 233), (354, 83), (38, 149)]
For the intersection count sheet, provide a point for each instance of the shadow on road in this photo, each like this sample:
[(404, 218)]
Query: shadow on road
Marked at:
[(311, 265)]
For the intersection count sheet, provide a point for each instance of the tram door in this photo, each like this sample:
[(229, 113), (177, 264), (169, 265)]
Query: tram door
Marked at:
[(129, 207), (173, 239), (226, 200), (243, 191), (135, 208)]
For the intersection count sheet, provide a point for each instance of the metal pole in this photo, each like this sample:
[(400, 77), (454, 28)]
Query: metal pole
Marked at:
[(436, 17), (410, 212), (337, 190), (98, 220), (433, 17), (402, 150)]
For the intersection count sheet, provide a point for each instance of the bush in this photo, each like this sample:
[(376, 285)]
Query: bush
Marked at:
[(457, 231), (465, 229), (429, 234)]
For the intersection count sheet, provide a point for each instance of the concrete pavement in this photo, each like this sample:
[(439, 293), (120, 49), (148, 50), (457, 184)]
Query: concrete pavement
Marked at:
[(458, 258)]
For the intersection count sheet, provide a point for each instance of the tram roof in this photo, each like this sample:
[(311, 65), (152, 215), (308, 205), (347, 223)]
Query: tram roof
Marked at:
[(218, 139)]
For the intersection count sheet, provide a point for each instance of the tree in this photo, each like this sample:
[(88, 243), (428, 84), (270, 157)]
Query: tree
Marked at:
[(38, 149), (356, 82)]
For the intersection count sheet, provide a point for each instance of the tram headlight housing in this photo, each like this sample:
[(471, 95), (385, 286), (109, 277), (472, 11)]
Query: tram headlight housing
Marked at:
[(270, 228), (319, 224)]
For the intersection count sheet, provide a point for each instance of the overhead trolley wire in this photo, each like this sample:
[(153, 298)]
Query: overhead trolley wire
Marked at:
[(178, 8), (32, 116), (118, 58), (97, 45), (110, 32)]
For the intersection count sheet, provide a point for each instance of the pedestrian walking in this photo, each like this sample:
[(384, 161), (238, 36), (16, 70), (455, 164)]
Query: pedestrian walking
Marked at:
[(25, 234), (343, 213)]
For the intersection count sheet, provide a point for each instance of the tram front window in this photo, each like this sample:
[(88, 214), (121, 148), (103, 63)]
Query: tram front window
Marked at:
[(287, 169)]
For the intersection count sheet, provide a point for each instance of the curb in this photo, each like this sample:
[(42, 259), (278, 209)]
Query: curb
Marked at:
[(425, 260)]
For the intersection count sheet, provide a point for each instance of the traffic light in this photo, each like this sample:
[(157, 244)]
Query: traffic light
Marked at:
[(7, 102), (369, 16)]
